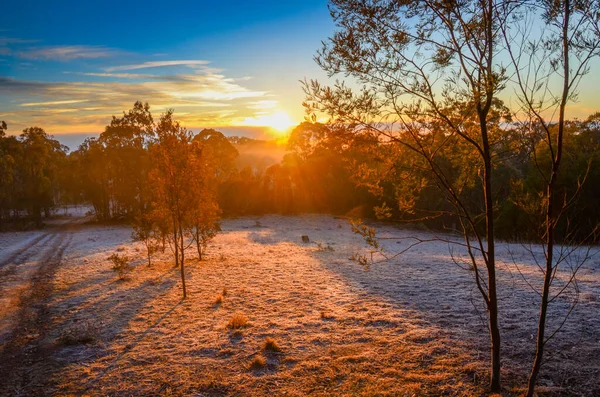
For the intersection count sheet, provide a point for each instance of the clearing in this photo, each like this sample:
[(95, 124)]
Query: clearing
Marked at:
[(412, 326)]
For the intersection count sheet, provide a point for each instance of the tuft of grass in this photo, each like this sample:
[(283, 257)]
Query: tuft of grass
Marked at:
[(258, 362), (219, 299), (81, 334), (224, 293), (271, 345), (239, 320)]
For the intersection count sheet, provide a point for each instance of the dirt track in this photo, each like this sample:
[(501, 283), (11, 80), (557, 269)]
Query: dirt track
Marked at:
[(26, 276)]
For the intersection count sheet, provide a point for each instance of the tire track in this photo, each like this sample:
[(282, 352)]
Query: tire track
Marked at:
[(24, 349), (23, 254)]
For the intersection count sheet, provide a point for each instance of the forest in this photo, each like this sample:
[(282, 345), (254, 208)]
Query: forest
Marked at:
[(324, 169)]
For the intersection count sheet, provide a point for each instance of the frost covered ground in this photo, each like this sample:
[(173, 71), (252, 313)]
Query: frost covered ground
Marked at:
[(411, 326)]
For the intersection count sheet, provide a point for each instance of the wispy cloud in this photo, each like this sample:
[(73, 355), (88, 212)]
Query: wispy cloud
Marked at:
[(201, 97), (261, 105), (67, 53), (157, 64), (117, 75), (52, 103), (12, 40)]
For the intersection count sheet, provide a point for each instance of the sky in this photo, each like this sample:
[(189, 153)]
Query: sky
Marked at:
[(68, 66)]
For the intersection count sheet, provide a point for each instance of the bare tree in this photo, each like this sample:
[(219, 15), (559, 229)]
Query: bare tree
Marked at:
[(559, 53)]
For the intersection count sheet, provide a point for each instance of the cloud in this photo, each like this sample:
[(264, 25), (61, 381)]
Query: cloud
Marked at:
[(118, 75), (51, 103), (265, 104), (13, 86), (12, 40), (157, 64), (201, 98), (67, 53)]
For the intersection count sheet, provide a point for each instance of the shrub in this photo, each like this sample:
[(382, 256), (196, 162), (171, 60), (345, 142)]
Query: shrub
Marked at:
[(258, 362), (121, 265), (238, 321), (271, 345), (79, 334)]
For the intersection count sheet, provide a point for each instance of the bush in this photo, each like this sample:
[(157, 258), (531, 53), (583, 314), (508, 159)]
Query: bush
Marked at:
[(258, 362), (271, 345), (121, 265), (79, 334), (238, 321)]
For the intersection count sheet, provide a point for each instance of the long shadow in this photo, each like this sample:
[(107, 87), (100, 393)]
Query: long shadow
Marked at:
[(427, 284), (48, 315), (131, 346)]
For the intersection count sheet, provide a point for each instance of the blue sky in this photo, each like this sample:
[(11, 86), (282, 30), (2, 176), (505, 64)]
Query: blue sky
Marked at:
[(67, 66)]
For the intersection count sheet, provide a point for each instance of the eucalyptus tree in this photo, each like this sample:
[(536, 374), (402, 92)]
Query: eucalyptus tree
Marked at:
[(430, 76), (424, 66)]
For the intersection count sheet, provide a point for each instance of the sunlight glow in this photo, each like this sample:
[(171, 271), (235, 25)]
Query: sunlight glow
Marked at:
[(279, 121)]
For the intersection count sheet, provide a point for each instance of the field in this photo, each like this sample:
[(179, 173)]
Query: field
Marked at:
[(408, 327)]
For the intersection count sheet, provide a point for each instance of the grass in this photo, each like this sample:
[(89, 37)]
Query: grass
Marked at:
[(80, 334), (258, 362), (219, 299), (239, 320), (271, 345)]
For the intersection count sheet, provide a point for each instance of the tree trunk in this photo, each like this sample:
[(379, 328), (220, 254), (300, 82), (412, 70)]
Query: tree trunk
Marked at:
[(149, 254), (182, 262), (491, 269), (198, 244), (550, 216), (176, 242)]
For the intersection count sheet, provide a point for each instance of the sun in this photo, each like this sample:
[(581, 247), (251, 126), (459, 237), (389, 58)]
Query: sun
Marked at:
[(279, 121)]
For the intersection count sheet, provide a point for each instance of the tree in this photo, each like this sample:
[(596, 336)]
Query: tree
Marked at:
[(432, 74), (184, 200), (562, 50), (125, 141), (93, 176), (7, 171), (42, 157), (424, 66), (172, 198), (215, 166)]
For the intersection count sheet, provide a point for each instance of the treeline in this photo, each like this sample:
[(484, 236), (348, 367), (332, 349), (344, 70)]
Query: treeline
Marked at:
[(117, 172), (322, 169), (33, 172)]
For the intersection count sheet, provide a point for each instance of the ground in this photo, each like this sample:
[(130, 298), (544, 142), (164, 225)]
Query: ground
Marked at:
[(411, 326)]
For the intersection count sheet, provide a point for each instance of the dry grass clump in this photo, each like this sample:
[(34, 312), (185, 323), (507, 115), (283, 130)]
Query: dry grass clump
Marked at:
[(239, 320), (224, 292), (80, 334), (326, 315), (271, 345), (219, 299), (258, 362)]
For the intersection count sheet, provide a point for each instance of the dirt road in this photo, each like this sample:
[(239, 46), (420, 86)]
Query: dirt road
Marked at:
[(26, 282)]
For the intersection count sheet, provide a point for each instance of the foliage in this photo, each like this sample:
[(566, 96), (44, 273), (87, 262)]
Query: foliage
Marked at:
[(121, 265), (239, 320)]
